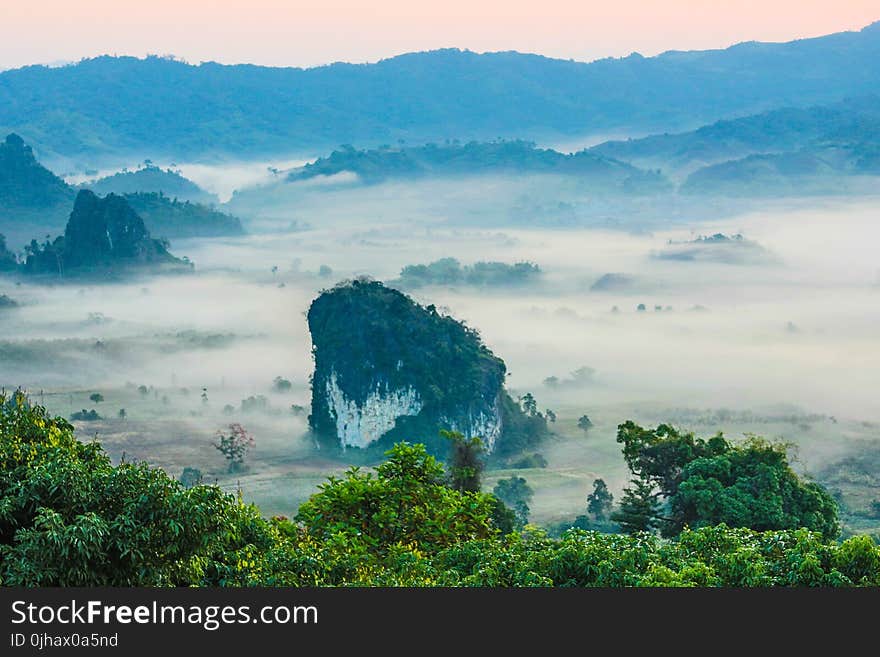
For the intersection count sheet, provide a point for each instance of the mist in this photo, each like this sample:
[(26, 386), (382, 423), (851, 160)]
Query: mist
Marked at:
[(780, 340)]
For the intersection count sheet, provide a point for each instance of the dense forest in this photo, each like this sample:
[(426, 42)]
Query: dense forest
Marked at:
[(120, 105), (151, 179), (449, 271), (457, 159), (739, 517)]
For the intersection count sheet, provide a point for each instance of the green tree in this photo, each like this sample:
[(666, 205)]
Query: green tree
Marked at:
[(585, 423), (711, 481), (516, 493), (71, 518), (122, 414), (529, 404), (638, 508), (600, 500), (234, 444), (465, 461), (96, 397), (406, 502)]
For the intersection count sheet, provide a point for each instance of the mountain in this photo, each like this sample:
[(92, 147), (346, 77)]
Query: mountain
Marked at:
[(165, 107), (102, 235), (151, 178), (171, 218), (404, 372), (34, 201), (456, 159), (24, 182), (831, 170), (32, 198), (790, 129)]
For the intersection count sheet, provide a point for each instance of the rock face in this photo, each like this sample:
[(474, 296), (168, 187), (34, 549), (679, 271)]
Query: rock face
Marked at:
[(388, 369), (102, 234)]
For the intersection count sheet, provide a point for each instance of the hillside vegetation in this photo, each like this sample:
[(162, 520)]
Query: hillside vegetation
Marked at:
[(72, 518), (168, 107)]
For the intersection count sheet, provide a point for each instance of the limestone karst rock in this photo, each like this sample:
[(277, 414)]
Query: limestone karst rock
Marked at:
[(388, 369), (102, 234)]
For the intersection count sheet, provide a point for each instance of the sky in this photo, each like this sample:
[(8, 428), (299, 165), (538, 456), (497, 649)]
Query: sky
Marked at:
[(296, 33)]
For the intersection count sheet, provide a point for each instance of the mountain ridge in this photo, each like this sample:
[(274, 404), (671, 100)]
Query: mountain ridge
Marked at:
[(112, 105)]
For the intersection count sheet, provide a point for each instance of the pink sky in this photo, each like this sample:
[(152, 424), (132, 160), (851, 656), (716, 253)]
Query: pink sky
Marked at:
[(295, 33)]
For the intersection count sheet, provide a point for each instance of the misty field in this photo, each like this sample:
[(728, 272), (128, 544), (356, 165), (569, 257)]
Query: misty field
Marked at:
[(772, 334)]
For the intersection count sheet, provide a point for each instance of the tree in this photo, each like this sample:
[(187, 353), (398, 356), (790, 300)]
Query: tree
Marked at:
[(465, 461), (280, 384), (638, 508), (600, 500), (516, 493), (405, 503), (551, 416), (529, 405), (96, 397), (122, 414), (234, 445), (72, 518), (584, 423), (711, 481)]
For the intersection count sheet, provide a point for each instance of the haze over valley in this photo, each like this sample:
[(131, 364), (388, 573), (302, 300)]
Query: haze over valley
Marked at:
[(712, 266)]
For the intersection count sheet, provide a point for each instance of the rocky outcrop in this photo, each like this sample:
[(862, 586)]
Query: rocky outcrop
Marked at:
[(102, 234), (388, 369)]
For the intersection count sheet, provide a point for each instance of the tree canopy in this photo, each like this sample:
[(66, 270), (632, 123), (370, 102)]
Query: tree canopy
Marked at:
[(711, 481)]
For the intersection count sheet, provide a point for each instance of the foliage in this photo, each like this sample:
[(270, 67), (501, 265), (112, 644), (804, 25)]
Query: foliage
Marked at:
[(190, 477), (68, 517), (255, 404), (453, 158), (234, 444), (280, 384), (465, 461), (172, 218), (449, 271), (8, 260), (150, 180), (96, 397), (516, 493), (535, 460), (85, 416), (712, 481), (600, 500), (405, 503), (638, 508), (585, 423)]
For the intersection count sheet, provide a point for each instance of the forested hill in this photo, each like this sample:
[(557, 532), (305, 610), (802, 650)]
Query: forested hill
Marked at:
[(24, 182), (456, 159), (855, 121), (124, 104)]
